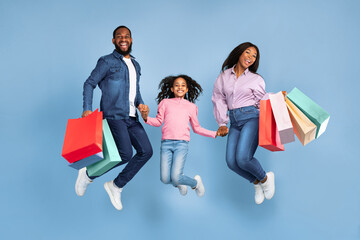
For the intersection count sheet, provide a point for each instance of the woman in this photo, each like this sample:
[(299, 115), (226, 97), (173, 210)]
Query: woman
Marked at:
[(239, 89)]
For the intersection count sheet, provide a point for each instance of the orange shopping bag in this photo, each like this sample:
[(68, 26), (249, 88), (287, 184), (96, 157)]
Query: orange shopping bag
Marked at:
[(83, 138), (269, 137)]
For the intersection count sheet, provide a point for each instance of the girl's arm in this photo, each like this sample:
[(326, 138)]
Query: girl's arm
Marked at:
[(196, 126), (220, 107), (159, 119)]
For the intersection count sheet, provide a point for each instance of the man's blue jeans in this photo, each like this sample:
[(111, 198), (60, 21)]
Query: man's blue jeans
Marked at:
[(128, 133), (172, 159), (242, 143)]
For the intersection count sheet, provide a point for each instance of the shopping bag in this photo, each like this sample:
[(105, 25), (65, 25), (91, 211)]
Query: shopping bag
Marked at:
[(269, 137), (282, 118), (311, 109), (304, 129), (87, 161), (110, 151), (83, 138)]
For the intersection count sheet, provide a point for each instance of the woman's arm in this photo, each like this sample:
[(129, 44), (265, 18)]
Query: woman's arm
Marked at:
[(218, 98)]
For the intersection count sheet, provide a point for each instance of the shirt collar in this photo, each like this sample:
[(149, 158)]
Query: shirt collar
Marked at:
[(118, 55), (245, 72)]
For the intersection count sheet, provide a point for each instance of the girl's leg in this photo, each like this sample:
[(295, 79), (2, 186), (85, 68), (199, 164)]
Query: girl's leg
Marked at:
[(232, 143), (166, 159), (177, 176), (246, 147)]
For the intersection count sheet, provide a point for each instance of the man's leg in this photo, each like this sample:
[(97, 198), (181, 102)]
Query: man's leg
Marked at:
[(119, 130), (141, 143)]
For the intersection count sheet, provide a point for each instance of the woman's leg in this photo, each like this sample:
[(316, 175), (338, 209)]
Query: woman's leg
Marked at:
[(246, 147), (231, 149), (177, 176)]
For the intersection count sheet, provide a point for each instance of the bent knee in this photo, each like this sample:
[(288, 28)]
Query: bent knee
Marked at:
[(243, 161), (165, 179)]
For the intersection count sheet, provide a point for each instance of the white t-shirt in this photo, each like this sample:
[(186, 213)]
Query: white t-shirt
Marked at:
[(132, 83)]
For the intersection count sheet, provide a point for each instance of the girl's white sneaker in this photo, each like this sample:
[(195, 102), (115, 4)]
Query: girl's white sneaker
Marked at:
[(199, 189), (182, 189)]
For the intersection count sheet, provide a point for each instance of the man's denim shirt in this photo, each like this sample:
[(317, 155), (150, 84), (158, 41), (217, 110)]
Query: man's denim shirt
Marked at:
[(112, 76)]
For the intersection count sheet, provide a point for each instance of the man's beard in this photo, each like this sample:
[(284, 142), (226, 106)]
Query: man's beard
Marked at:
[(124, 53)]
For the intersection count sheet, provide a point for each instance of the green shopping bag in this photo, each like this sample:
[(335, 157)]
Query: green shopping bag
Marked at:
[(311, 109), (110, 152)]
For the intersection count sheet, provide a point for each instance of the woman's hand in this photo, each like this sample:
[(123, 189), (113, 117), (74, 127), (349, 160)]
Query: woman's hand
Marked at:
[(222, 131)]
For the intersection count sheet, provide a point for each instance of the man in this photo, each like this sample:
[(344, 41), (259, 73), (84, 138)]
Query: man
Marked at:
[(117, 75)]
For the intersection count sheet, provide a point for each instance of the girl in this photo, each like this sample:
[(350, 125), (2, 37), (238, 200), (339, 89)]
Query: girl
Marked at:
[(239, 89), (176, 109)]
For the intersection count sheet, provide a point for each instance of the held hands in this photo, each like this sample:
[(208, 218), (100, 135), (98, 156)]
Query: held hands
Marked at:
[(86, 113), (222, 131), (144, 110)]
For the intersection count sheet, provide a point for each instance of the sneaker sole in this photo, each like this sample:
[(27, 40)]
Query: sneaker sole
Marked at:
[(107, 189)]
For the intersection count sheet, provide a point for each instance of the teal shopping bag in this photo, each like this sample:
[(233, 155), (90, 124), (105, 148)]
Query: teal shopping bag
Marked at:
[(311, 109), (110, 151)]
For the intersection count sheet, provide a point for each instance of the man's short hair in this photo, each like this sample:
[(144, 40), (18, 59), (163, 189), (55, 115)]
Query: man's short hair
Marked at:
[(122, 26)]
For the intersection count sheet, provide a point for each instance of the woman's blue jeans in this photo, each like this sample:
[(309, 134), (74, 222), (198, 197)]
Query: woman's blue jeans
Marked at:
[(242, 143), (172, 160)]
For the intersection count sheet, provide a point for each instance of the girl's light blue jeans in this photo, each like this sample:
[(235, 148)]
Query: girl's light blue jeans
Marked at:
[(172, 160), (242, 143)]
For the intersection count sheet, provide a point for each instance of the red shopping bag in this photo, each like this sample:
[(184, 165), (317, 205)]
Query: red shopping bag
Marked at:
[(83, 137), (269, 137)]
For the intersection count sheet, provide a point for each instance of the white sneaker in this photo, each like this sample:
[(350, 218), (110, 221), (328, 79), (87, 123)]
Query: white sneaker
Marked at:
[(82, 182), (199, 189), (259, 194), (114, 193), (182, 189), (269, 186)]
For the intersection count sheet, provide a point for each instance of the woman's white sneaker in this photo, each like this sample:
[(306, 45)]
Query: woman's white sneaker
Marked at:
[(114, 193), (269, 186), (82, 182), (259, 194)]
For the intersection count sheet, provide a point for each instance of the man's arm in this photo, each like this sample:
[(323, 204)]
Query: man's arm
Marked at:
[(90, 84)]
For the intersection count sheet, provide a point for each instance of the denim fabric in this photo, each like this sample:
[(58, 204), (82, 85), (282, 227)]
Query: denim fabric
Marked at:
[(242, 143), (238, 115), (112, 76), (128, 133), (172, 160)]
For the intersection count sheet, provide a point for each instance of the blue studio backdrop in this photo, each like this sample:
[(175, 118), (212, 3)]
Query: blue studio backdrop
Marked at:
[(49, 48)]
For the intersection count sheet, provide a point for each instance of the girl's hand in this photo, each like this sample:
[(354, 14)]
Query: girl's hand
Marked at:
[(222, 131), (284, 93)]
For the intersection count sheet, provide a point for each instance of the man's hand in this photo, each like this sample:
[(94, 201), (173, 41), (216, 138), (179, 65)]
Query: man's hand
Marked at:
[(86, 113), (144, 111), (222, 131)]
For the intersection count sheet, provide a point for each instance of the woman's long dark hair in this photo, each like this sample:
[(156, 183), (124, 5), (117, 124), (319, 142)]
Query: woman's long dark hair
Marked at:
[(167, 83), (235, 54)]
